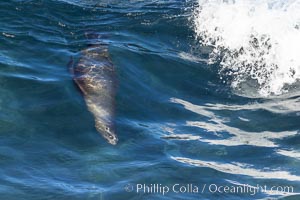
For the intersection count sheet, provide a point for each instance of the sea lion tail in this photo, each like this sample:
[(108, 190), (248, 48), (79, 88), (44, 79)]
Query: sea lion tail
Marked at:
[(95, 38), (92, 35)]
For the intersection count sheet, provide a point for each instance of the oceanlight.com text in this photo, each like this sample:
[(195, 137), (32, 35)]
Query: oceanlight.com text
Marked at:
[(246, 189)]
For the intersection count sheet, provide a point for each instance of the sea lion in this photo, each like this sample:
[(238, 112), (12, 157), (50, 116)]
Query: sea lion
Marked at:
[(95, 75)]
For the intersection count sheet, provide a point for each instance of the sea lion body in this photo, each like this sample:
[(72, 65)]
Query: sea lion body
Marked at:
[(95, 75)]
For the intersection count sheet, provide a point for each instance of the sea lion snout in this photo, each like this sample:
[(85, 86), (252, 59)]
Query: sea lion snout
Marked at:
[(107, 131), (111, 137)]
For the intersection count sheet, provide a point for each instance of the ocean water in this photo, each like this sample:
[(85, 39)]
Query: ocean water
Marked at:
[(208, 101)]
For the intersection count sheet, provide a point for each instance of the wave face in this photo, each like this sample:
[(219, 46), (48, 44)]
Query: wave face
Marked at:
[(256, 41), (176, 121)]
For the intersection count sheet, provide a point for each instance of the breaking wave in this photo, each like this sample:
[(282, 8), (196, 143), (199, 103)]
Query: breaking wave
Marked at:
[(256, 42)]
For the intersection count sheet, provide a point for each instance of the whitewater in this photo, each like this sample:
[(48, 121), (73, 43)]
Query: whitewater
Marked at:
[(256, 43)]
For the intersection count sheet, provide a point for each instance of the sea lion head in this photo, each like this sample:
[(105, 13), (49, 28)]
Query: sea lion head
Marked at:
[(108, 131)]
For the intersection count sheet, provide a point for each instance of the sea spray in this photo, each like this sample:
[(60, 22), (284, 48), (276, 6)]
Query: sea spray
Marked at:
[(255, 42)]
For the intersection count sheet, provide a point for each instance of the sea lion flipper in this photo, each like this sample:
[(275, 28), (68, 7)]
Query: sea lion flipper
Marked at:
[(70, 66)]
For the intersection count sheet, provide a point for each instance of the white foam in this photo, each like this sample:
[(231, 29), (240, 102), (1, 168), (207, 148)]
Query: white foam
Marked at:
[(239, 169), (218, 124), (253, 40), (290, 153)]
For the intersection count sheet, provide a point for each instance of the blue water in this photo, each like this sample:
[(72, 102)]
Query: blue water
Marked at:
[(177, 122)]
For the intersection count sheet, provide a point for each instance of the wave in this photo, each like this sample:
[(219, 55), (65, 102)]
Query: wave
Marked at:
[(256, 42), (219, 124), (239, 168)]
